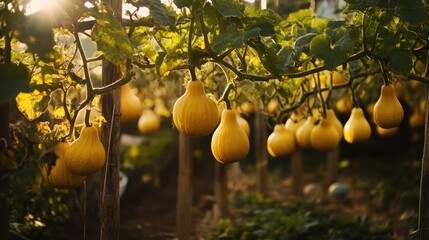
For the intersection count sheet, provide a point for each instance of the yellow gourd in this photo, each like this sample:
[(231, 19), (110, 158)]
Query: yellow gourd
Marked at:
[(324, 136), (243, 123), (273, 107), (344, 105), (247, 107), (388, 111), (333, 120), (281, 142), (149, 122), (417, 119), (357, 128), (338, 78), (86, 155), (59, 176), (131, 106), (229, 141), (195, 114), (295, 120), (303, 133)]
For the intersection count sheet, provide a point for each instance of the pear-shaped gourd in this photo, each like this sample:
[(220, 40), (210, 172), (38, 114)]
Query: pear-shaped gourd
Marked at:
[(86, 155), (303, 133), (344, 105), (273, 107), (149, 122), (324, 136), (243, 123), (417, 119), (333, 120), (338, 78), (295, 120), (131, 106), (195, 114), (247, 107), (357, 128), (281, 142), (59, 176), (229, 141), (388, 111)]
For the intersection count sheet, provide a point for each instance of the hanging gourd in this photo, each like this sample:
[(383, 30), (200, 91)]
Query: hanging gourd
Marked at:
[(247, 107), (303, 133), (131, 106), (273, 107), (149, 122), (295, 120), (194, 113), (230, 142), (357, 128), (58, 175), (324, 136), (417, 119), (344, 105), (333, 120), (281, 142), (86, 155), (386, 132), (388, 111), (243, 123)]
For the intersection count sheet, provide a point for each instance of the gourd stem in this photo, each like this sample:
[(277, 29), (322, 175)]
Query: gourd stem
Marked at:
[(320, 95), (228, 88), (384, 73), (87, 115), (365, 46), (355, 99), (191, 29), (204, 30), (193, 75)]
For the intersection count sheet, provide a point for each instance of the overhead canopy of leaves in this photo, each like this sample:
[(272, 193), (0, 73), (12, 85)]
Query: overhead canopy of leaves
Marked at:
[(111, 37), (183, 3), (14, 79), (158, 11), (229, 8), (233, 37), (333, 47)]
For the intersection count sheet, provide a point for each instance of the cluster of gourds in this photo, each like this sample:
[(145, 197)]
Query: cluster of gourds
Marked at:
[(74, 161), (197, 115), (86, 155), (326, 133)]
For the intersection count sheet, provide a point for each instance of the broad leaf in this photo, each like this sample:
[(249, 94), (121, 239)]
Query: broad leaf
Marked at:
[(320, 46), (183, 3), (265, 15), (287, 57), (32, 105), (230, 37), (14, 79), (401, 60), (158, 11), (411, 11), (36, 32), (229, 8), (111, 37), (302, 44)]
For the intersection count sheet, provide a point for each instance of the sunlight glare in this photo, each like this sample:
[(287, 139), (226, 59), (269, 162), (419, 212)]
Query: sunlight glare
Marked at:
[(37, 5)]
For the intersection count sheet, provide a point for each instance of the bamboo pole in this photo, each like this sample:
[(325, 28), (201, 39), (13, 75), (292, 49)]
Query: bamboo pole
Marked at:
[(423, 223), (297, 172), (261, 153), (332, 171), (221, 188), (185, 189), (110, 204), (4, 178)]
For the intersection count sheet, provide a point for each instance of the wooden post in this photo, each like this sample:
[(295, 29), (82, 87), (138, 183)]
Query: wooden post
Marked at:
[(4, 178), (332, 171), (423, 224), (261, 153), (109, 187), (297, 172), (185, 189), (221, 188)]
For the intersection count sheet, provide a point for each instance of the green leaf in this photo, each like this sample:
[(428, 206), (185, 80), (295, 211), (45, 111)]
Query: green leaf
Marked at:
[(36, 32), (14, 79), (302, 44), (320, 46), (287, 57), (229, 8), (183, 3), (411, 11), (111, 37), (333, 47), (32, 105), (157, 10), (230, 37), (401, 60), (266, 15), (265, 28)]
